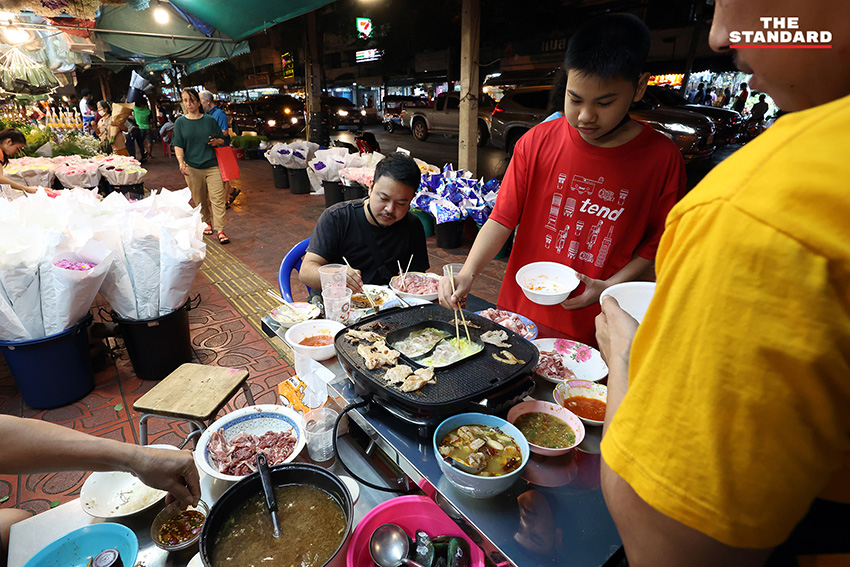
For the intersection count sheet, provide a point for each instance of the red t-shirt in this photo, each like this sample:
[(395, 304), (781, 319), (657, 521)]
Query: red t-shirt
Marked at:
[(587, 207)]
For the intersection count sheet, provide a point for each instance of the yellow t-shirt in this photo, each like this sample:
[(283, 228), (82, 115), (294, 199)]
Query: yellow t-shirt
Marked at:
[(738, 409)]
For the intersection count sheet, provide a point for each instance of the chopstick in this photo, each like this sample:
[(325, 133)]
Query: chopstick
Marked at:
[(298, 315), (366, 293), (401, 274), (463, 318)]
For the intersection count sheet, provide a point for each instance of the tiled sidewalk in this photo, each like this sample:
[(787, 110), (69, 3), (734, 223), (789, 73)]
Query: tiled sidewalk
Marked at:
[(263, 224)]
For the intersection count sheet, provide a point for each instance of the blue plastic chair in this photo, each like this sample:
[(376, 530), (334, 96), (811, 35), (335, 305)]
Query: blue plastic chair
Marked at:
[(292, 261)]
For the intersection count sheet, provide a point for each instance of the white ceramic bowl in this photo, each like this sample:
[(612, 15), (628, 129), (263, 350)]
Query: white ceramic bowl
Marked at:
[(546, 283), (555, 410), (573, 388), (633, 297), (252, 419), (426, 296), (300, 331), (470, 484), (285, 317), (118, 494)]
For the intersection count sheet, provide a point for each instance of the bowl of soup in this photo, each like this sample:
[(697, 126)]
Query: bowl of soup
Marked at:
[(550, 429), (471, 437), (314, 338), (176, 528), (588, 400), (547, 283), (316, 515)]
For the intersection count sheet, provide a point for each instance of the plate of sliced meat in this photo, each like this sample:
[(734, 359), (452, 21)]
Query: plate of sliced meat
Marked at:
[(423, 285), (227, 450), (563, 359), (510, 320)]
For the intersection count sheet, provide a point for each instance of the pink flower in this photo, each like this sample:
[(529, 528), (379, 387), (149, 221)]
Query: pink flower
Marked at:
[(583, 353), (563, 346)]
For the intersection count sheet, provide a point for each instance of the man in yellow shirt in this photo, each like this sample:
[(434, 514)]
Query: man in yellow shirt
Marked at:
[(727, 437)]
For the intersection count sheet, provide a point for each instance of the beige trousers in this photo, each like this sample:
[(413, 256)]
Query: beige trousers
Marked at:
[(208, 192)]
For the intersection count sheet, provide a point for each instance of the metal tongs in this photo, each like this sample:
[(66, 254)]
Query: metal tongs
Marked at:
[(268, 491)]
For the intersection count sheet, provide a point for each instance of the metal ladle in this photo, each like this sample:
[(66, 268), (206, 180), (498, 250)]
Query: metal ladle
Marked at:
[(389, 546), (268, 491), (460, 465)]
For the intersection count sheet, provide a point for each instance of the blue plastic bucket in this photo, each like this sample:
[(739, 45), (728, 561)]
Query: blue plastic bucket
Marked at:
[(52, 371)]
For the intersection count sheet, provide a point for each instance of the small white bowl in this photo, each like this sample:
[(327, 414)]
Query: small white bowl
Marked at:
[(284, 316), (426, 296), (255, 420), (555, 410), (573, 388), (633, 297), (169, 512), (118, 494), (300, 331), (547, 283)]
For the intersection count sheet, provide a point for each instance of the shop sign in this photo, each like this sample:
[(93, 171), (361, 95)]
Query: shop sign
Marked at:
[(368, 55), (256, 80), (288, 64), (364, 28)]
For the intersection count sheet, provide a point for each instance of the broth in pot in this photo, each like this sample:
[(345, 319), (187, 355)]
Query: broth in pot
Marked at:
[(312, 527)]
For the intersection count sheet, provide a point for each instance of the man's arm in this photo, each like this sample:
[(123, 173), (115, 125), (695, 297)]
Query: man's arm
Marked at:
[(309, 273), (32, 445), (489, 241), (650, 538)]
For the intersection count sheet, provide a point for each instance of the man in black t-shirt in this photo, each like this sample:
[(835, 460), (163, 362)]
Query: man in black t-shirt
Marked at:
[(375, 234)]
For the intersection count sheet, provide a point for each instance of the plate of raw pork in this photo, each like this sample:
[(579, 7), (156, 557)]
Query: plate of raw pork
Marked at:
[(513, 321), (227, 450), (563, 359)]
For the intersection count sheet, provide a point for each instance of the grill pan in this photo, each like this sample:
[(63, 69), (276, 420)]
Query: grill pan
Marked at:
[(458, 385)]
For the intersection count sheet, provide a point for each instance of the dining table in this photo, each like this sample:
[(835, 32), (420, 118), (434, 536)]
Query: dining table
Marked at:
[(554, 514)]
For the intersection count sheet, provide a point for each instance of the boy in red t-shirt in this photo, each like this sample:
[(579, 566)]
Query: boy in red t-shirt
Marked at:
[(590, 190)]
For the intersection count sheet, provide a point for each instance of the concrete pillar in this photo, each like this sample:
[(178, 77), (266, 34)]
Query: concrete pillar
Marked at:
[(469, 87)]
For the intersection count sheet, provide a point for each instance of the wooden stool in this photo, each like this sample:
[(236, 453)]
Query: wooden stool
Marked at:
[(194, 393)]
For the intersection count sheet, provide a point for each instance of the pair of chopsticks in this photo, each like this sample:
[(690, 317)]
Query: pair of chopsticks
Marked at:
[(403, 275), (465, 327), (366, 293), (298, 315)]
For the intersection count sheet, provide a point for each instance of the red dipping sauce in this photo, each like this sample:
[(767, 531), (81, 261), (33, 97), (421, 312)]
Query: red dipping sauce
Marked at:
[(317, 340), (588, 408)]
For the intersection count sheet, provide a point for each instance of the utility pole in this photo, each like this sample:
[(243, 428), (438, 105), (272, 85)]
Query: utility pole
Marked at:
[(469, 46), (317, 128)]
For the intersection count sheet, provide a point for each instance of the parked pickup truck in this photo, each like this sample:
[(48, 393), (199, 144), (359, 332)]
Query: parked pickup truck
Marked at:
[(444, 117)]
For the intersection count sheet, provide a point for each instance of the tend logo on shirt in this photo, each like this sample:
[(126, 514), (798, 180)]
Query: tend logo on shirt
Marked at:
[(600, 211)]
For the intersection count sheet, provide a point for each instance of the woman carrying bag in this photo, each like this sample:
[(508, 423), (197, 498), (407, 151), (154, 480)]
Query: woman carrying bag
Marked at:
[(195, 136)]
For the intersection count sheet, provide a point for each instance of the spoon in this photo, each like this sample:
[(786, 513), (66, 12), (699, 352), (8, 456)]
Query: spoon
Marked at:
[(268, 491), (389, 546), (460, 465)]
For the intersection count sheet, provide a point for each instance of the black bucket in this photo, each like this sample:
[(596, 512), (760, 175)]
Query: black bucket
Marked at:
[(35, 366), (299, 183), (449, 234), (280, 177), (132, 192), (352, 192), (333, 193), (158, 346)]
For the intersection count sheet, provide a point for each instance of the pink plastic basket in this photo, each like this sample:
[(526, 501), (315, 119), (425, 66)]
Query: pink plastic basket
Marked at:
[(411, 513)]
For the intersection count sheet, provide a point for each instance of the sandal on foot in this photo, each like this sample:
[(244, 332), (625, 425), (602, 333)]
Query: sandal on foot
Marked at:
[(236, 192), (222, 238), (208, 230)]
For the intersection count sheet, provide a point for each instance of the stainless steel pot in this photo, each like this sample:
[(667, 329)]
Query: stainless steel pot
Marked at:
[(281, 475)]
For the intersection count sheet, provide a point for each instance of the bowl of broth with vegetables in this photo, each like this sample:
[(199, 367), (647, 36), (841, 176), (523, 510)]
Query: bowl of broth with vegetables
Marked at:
[(550, 429), (315, 511), (484, 442)]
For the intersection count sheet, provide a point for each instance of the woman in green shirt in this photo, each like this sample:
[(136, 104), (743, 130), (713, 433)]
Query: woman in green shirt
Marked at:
[(195, 136)]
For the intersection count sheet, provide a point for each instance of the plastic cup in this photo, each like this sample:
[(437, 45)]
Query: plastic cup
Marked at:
[(452, 270), (333, 278), (337, 306), (319, 433)]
